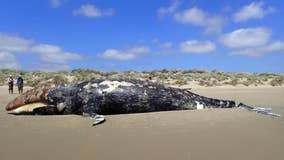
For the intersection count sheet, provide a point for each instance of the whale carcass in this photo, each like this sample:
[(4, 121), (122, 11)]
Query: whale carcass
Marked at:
[(99, 97)]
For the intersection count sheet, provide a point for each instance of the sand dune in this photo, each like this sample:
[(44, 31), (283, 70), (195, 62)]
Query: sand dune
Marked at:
[(182, 135)]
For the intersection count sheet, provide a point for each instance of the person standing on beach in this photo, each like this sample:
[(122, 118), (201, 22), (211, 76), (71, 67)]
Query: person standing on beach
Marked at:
[(11, 84), (20, 84)]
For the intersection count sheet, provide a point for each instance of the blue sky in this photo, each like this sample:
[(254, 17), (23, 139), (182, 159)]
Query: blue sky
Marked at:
[(111, 35)]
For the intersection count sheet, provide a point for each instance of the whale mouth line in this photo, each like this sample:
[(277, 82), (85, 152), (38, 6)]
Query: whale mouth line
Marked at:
[(28, 108)]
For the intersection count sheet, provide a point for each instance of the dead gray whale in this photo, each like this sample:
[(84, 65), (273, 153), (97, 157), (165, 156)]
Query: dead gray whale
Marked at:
[(99, 97)]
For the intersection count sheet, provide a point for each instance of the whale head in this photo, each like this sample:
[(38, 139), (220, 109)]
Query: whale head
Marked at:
[(29, 101)]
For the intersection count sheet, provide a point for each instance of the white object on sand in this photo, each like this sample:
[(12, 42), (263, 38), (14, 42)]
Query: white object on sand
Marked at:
[(199, 105), (98, 119)]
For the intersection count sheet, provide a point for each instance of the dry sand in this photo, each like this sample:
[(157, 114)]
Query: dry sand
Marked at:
[(219, 134)]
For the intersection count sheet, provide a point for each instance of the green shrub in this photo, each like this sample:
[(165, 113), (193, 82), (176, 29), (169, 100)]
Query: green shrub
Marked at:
[(278, 81), (181, 82), (59, 79)]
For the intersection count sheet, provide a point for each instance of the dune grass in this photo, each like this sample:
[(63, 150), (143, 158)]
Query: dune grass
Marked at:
[(167, 77)]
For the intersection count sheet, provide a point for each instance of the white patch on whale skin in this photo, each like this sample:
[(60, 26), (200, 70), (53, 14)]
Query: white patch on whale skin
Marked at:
[(28, 107), (145, 93), (112, 85), (199, 105), (60, 106), (90, 85)]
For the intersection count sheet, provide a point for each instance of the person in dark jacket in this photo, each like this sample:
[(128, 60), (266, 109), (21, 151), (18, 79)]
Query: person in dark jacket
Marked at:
[(20, 84)]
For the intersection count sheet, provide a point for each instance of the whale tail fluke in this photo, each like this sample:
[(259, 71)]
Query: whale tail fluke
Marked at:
[(261, 110)]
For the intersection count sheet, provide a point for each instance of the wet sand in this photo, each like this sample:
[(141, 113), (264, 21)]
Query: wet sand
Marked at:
[(219, 134)]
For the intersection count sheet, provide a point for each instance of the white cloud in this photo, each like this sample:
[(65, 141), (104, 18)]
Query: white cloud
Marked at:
[(254, 10), (274, 47), (194, 46), (45, 48), (246, 37), (124, 55), (12, 43), (162, 45), (197, 17), (168, 10), (252, 42), (8, 60), (155, 40), (54, 54), (166, 45), (92, 11), (48, 54), (193, 16), (53, 67), (118, 55), (162, 48), (57, 3)]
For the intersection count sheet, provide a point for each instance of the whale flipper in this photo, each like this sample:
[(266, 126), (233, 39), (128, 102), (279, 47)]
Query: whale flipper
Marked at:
[(98, 119), (261, 110)]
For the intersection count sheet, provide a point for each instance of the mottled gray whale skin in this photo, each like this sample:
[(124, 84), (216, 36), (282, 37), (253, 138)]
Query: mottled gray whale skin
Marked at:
[(120, 96), (117, 96)]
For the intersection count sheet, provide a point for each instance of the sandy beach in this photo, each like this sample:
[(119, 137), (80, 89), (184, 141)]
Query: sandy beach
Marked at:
[(219, 134)]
